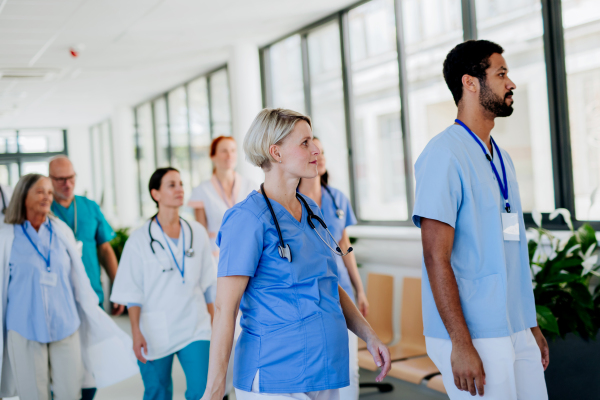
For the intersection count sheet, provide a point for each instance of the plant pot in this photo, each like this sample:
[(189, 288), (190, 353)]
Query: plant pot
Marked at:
[(573, 372)]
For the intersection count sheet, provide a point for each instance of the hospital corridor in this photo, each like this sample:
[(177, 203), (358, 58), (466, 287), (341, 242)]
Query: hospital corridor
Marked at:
[(299, 199)]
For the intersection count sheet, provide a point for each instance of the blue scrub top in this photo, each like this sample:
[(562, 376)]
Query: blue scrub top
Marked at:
[(336, 227), (456, 185), (293, 328), (92, 229)]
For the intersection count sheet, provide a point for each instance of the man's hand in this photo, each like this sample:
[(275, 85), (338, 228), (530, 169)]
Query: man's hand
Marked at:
[(362, 304), (543, 345), (467, 368), (117, 309), (139, 343)]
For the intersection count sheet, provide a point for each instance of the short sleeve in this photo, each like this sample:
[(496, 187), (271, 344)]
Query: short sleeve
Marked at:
[(438, 192), (240, 242), (349, 212), (128, 285), (104, 233)]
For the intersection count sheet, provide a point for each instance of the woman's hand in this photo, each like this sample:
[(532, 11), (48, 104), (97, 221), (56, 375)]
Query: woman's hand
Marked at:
[(381, 356), (362, 303), (139, 343)]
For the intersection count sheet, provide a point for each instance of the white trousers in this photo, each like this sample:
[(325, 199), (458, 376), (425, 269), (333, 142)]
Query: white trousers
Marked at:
[(351, 392), (37, 365), (512, 364), (331, 394)]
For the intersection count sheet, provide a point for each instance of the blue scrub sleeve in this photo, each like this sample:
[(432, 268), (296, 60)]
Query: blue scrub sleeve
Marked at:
[(129, 305), (240, 242), (438, 192), (347, 207), (104, 233), (210, 295)]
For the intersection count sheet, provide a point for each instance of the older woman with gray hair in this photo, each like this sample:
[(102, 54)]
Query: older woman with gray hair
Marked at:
[(54, 333), (277, 266)]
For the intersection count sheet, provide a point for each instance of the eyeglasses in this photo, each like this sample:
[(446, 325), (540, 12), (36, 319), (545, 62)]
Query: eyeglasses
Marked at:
[(65, 179)]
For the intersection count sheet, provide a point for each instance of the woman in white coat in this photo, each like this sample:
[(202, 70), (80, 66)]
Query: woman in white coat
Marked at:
[(212, 198), (167, 277), (54, 332)]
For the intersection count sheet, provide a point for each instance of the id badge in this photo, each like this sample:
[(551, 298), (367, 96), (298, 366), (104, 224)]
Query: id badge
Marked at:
[(48, 278), (510, 226)]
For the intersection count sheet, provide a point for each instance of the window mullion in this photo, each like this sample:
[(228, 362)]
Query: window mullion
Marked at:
[(469, 19), (306, 74)]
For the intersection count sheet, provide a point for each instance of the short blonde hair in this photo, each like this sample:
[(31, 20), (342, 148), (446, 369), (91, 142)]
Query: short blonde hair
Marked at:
[(16, 212), (271, 126)]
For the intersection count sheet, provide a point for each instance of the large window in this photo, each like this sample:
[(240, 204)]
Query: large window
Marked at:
[(581, 24), (375, 71), (25, 151), (176, 128), (103, 174)]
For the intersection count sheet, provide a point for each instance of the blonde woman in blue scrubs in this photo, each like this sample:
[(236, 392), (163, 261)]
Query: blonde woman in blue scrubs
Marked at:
[(283, 277), (338, 214)]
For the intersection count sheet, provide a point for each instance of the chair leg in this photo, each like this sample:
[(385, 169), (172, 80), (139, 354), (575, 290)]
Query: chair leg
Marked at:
[(382, 387)]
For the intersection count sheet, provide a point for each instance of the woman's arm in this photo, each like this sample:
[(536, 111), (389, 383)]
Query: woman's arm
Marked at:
[(139, 342), (350, 262), (359, 325), (200, 215), (229, 294)]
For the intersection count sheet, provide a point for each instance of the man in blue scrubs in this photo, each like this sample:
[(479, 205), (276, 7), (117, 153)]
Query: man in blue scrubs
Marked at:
[(478, 307), (92, 232)]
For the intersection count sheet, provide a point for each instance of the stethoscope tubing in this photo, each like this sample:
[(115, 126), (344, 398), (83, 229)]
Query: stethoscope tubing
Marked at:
[(189, 252)]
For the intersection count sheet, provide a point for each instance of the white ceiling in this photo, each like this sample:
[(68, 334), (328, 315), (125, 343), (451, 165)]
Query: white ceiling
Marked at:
[(130, 50)]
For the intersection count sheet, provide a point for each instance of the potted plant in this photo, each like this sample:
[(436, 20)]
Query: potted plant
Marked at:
[(567, 297)]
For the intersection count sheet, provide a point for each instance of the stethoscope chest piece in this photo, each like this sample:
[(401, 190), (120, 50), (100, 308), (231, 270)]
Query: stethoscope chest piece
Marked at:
[(285, 252), (190, 253), (340, 213)]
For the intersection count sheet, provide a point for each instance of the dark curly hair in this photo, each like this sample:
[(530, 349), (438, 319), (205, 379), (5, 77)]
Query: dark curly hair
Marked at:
[(469, 58)]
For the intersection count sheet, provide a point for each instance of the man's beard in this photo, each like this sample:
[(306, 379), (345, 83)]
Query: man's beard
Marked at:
[(494, 103)]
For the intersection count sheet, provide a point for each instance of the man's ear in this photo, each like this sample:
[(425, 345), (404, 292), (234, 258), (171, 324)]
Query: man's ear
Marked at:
[(470, 83)]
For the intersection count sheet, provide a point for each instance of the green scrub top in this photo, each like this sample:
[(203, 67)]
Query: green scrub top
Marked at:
[(92, 229)]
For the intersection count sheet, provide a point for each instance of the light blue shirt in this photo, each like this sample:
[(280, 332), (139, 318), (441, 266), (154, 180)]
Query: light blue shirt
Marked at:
[(456, 185), (336, 227), (293, 328), (37, 311)]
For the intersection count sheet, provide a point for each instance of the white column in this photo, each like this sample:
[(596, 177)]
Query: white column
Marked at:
[(246, 102), (126, 183), (78, 143)]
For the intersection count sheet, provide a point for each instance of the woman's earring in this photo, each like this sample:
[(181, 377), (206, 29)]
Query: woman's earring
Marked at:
[(279, 161)]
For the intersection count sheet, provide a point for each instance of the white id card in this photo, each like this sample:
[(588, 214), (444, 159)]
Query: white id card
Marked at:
[(48, 278), (510, 226)]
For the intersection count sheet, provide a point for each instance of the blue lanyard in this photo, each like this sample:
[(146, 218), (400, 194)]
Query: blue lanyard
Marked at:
[(503, 188), (182, 269), (47, 260)]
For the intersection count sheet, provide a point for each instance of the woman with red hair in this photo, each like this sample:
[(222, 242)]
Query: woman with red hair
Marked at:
[(212, 198)]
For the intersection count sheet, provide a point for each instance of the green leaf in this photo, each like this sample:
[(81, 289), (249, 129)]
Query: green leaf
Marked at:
[(587, 236), (532, 245), (546, 319), (563, 278), (581, 294)]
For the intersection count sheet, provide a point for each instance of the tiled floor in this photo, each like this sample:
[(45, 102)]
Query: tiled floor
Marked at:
[(133, 388)]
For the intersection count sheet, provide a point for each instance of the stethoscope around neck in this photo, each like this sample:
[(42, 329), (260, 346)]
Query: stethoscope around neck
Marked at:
[(284, 249), (189, 252)]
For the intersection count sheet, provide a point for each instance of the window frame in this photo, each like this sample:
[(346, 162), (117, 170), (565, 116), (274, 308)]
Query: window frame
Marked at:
[(165, 95), (556, 75)]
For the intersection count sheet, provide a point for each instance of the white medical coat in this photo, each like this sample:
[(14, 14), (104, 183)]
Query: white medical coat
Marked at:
[(107, 351), (174, 313)]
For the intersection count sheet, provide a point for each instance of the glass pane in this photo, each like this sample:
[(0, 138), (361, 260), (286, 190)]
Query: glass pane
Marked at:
[(35, 167), (9, 173), (8, 142), (180, 139), (525, 135), (161, 127), (581, 24), (145, 151), (431, 29), (97, 168), (41, 141), (220, 105), (379, 157), (327, 101), (286, 74), (109, 197), (200, 131)]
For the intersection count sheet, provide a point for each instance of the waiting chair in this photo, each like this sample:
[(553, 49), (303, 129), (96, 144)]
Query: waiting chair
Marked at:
[(436, 383)]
